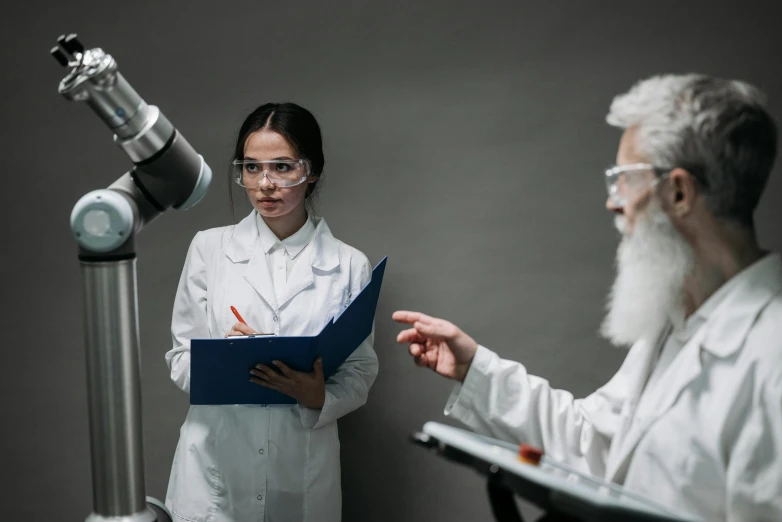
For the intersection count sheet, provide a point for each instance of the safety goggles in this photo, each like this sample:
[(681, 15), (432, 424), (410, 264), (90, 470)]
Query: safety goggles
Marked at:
[(280, 173), (625, 182)]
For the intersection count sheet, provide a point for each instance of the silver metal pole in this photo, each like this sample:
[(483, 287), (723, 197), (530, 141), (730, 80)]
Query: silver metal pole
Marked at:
[(113, 379)]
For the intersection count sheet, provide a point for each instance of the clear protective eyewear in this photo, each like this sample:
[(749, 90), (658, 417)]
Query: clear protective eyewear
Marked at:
[(279, 172), (626, 181)]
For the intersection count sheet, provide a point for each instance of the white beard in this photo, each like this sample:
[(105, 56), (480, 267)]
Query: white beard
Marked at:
[(653, 263)]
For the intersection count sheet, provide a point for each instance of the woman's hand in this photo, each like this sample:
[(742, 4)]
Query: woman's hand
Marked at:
[(242, 329), (309, 389)]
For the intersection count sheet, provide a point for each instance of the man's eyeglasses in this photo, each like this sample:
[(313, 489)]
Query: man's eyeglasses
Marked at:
[(624, 182)]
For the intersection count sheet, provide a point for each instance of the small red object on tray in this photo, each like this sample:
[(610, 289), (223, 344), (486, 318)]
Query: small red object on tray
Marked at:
[(530, 454)]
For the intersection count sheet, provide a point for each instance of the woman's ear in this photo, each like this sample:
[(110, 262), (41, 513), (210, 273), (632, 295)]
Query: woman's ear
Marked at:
[(311, 182)]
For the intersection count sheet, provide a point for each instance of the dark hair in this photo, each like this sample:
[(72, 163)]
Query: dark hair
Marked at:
[(297, 125)]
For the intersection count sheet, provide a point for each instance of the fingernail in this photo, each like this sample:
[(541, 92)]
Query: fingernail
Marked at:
[(275, 363)]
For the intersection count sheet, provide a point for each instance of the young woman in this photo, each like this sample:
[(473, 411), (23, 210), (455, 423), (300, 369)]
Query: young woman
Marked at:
[(286, 274)]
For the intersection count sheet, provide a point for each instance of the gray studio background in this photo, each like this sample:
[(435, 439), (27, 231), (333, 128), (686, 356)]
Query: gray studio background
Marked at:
[(464, 140)]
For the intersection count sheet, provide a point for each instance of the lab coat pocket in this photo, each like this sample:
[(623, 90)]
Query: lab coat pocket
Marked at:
[(706, 472), (341, 298), (195, 480), (687, 467)]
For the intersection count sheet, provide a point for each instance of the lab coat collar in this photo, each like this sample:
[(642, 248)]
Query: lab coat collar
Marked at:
[(324, 254), (293, 245), (296, 243), (243, 240), (750, 290), (321, 253)]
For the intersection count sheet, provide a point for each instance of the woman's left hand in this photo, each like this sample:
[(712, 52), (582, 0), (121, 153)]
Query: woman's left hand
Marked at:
[(309, 389)]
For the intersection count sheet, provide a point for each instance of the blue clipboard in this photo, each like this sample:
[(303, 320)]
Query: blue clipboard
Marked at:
[(220, 368)]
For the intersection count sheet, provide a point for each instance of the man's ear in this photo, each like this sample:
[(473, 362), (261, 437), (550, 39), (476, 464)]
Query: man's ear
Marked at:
[(682, 193)]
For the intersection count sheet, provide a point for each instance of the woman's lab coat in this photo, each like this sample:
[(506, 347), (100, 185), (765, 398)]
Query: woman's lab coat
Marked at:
[(273, 463), (709, 444)]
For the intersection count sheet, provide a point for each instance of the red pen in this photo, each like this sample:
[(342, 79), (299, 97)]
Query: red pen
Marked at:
[(236, 313)]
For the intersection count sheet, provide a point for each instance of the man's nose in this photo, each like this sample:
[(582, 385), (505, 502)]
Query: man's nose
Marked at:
[(612, 206)]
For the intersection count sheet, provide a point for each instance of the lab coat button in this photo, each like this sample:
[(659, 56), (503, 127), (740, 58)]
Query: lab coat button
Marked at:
[(260, 451), (275, 318), (260, 497)]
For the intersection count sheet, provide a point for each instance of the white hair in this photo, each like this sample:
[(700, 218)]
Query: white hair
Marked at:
[(653, 262), (718, 130)]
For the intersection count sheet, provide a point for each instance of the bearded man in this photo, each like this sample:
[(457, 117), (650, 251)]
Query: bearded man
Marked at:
[(693, 418)]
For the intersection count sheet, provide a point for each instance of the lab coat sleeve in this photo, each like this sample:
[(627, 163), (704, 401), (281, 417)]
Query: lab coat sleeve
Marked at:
[(500, 399), (188, 320), (754, 474), (348, 388)]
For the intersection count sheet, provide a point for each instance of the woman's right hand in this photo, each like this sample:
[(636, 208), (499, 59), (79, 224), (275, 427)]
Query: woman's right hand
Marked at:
[(242, 329)]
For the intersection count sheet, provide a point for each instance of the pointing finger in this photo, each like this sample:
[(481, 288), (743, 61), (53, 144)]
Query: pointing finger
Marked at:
[(406, 317)]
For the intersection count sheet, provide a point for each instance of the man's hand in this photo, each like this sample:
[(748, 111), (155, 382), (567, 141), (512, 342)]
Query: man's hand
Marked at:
[(437, 344), (309, 389)]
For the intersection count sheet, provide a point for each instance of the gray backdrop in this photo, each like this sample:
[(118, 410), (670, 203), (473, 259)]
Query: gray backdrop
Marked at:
[(464, 140)]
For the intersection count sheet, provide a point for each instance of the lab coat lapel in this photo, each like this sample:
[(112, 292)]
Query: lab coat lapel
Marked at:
[(301, 277), (682, 371), (321, 253), (257, 274), (650, 349), (245, 246)]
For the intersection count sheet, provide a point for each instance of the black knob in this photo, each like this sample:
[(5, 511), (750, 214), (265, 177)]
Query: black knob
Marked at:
[(59, 56), (72, 45)]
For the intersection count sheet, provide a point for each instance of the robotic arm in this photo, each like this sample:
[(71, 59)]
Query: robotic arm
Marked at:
[(167, 173)]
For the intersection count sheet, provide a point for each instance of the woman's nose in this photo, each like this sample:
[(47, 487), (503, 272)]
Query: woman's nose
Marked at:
[(265, 183)]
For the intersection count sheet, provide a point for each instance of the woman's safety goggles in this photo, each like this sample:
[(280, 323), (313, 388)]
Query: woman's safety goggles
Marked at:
[(280, 173)]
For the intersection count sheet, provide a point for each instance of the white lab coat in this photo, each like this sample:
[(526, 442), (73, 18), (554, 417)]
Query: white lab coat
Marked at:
[(710, 442), (273, 463)]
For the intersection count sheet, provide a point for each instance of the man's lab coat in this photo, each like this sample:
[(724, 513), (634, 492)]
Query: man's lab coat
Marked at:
[(709, 443)]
